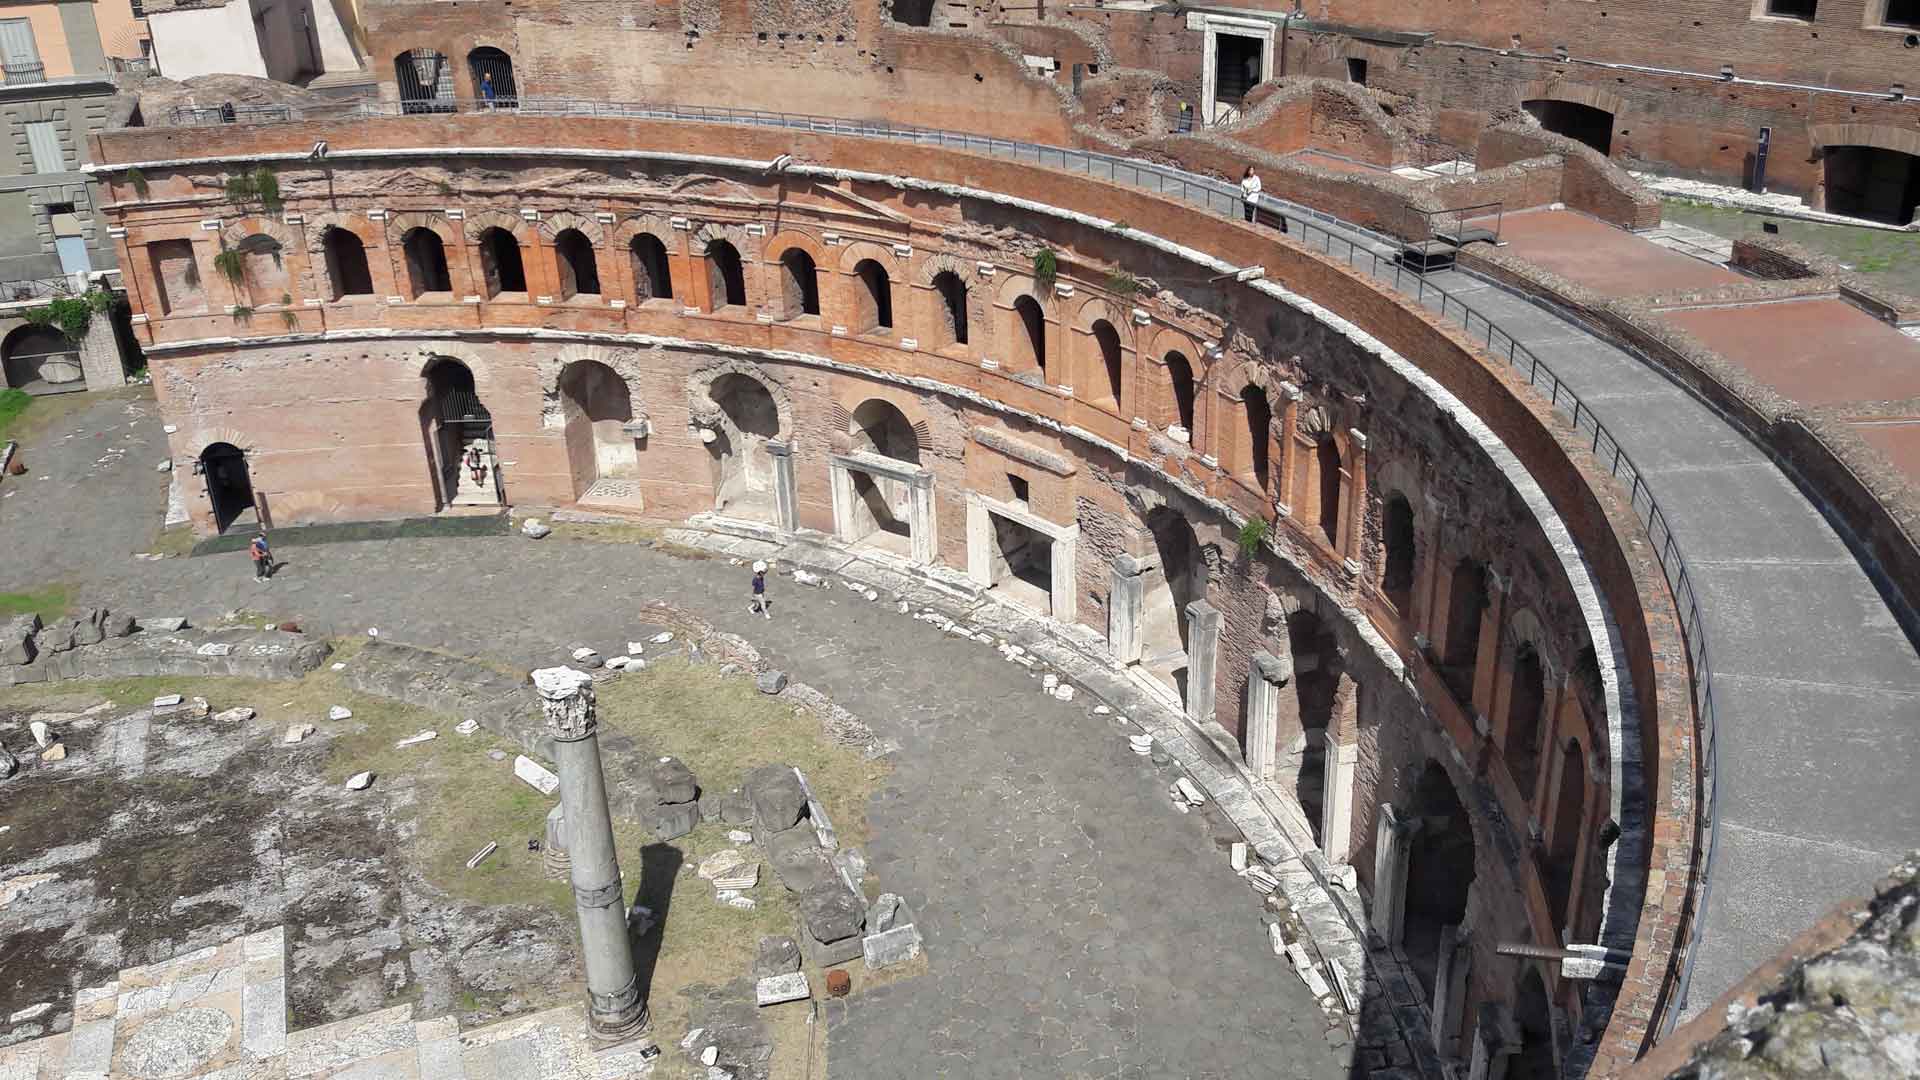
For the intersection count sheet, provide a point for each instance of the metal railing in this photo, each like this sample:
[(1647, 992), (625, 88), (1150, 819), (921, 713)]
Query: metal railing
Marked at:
[(1312, 228), (37, 289), (23, 73)]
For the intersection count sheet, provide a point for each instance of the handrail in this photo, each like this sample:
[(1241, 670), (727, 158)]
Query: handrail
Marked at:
[(1227, 200)]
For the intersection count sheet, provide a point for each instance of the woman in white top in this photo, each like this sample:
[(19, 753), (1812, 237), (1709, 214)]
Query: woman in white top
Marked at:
[(1249, 187)]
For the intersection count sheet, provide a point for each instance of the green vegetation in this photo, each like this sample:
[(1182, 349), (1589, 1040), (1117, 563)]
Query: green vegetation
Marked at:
[(139, 181), (1046, 267), (49, 602), (1889, 258), (258, 188), (71, 314), (1122, 284), (12, 404), (1252, 535), (231, 264)]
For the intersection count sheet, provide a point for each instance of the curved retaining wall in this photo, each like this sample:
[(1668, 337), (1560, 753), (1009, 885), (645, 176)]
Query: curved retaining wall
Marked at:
[(1601, 536)]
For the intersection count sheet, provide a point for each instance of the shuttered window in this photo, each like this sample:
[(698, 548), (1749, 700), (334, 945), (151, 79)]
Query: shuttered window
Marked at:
[(44, 139)]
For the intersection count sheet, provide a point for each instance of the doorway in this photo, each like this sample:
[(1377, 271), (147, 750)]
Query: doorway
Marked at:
[(1868, 182), (1022, 563), (459, 434), (1582, 123), (1237, 69), (223, 466)]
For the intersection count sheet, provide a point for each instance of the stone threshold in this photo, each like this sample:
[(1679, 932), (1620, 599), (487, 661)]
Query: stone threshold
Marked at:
[(1346, 959)]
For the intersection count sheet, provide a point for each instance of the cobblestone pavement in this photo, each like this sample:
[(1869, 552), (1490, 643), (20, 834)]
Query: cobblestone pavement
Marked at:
[(1076, 924)]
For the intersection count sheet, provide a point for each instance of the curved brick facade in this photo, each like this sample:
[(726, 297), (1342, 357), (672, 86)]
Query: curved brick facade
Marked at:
[(1452, 614)]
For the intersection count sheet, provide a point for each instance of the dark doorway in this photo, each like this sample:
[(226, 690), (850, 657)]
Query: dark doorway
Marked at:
[(579, 272), (459, 434), (1569, 806), (40, 360), (426, 263), (1180, 373), (1439, 871), (1033, 324), (1107, 339), (652, 279), (1528, 698), (1582, 123), (876, 298), (800, 279), (1534, 1012), (1397, 581), (493, 78), (726, 281), (1259, 433), (347, 271), (953, 301), (1327, 466), (1236, 67), (1356, 71), (913, 12), (500, 263), (1466, 598), (1868, 182), (1315, 681), (229, 486)]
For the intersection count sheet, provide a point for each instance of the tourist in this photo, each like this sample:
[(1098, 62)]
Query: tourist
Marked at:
[(486, 87), (476, 464), (1250, 190), (761, 605), (262, 557)]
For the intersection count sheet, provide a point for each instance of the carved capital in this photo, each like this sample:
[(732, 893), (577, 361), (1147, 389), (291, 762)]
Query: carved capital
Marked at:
[(566, 697)]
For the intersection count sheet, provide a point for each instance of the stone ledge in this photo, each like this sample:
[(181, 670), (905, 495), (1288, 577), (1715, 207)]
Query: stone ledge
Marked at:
[(250, 654), (505, 706)]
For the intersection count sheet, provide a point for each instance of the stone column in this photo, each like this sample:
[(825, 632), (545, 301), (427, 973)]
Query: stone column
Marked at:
[(615, 1008), (1353, 502), (1391, 846), (1266, 684), (1450, 989), (840, 484), (1343, 754), (1289, 448), (1064, 594), (1127, 606), (786, 503), (921, 520), (979, 542), (1203, 647)]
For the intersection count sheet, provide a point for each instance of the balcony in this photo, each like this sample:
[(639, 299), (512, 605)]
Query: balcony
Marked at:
[(22, 73)]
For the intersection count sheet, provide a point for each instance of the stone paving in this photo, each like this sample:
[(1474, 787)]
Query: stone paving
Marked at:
[(1076, 924)]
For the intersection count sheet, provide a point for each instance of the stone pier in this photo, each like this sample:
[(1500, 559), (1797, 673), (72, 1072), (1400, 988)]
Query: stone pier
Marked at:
[(615, 1008)]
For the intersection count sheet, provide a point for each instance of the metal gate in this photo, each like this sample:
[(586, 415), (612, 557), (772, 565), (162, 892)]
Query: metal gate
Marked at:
[(493, 78), (426, 81)]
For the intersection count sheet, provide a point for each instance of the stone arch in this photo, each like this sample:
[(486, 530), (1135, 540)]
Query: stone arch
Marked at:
[(32, 354), (941, 262), (238, 229), (228, 476), (738, 409), (845, 422), (1878, 136), (552, 225), (857, 251), (427, 247), (264, 245), (792, 268), (596, 406), (629, 364), (480, 221), (648, 243), (1024, 337), (735, 234), (1440, 869), (1103, 342), (456, 430), (1014, 286), (706, 413), (371, 242), (1577, 93), (1322, 454), (1169, 403)]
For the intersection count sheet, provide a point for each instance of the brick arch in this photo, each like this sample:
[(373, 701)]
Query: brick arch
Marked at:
[(840, 417), (624, 362), (201, 438), (1576, 92), (942, 262), (658, 225), (1878, 136), (1017, 285), (734, 234), (233, 232), (554, 224), (1099, 307), (317, 224), (399, 225), (781, 242), (704, 410), (479, 223), (859, 250)]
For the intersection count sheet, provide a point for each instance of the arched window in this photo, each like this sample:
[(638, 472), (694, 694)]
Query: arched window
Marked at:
[(1180, 374), (726, 281), (493, 78), (1259, 433), (800, 283), (1397, 537), (1327, 464), (1032, 335), (579, 272), (425, 80), (1466, 598), (500, 262), (1569, 805), (347, 273), (426, 263), (1107, 340), (953, 306), (263, 276), (876, 297), (652, 279), (1524, 703)]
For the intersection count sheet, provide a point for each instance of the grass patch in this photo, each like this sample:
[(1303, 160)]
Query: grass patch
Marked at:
[(1890, 258), (174, 541), (50, 602), (26, 420), (12, 404)]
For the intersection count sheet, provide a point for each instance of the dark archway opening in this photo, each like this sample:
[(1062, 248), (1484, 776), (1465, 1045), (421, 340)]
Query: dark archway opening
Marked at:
[(426, 263), (1868, 182), (1534, 1013), (347, 271), (597, 406), (800, 281), (493, 77), (500, 263), (726, 280), (1528, 697), (1237, 69), (458, 432), (579, 270), (1466, 599), (1582, 123), (40, 360), (882, 503), (742, 471), (652, 275), (1180, 373), (1180, 580), (229, 483), (1327, 466), (1397, 530), (876, 298), (1259, 433), (1315, 680), (425, 80), (1439, 871), (953, 301), (1568, 807), (1033, 335), (1107, 339)]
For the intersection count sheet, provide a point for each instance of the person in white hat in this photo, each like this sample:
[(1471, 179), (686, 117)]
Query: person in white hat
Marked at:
[(761, 605)]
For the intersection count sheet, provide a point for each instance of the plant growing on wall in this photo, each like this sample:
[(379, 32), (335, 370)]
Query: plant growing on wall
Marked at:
[(1252, 536), (241, 313), (71, 314), (138, 180), (257, 187), (1122, 284), (1045, 268), (231, 264)]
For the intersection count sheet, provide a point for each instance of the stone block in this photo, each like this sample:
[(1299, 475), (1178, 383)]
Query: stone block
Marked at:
[(831, 913), (844, 951), (168, 625), (895, 946), (777, 955), (798, 860), (536, 775), (781, 988), (673, 782), (771, 682), (671, 822), (777, 796), (887, 912), (17, 639)]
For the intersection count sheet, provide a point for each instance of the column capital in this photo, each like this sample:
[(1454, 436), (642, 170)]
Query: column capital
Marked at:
[(566, 697), (778, 449)]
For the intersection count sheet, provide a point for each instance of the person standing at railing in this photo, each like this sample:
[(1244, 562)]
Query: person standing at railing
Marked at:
[(486, 88), (1249, 190)]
